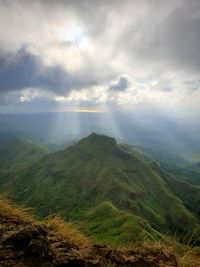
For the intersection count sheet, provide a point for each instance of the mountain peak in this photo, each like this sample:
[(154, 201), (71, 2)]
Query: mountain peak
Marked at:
[(100, 138)]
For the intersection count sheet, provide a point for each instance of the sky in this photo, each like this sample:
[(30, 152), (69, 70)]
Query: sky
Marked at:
[(96, 55)]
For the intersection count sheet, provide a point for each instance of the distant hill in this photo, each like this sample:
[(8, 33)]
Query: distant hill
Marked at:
[(190, 173), (127, 195), (16, 155)]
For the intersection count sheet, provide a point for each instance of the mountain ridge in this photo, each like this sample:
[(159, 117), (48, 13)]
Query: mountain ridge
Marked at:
[(79, 178)]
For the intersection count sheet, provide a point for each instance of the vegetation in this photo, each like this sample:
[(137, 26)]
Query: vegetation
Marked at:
[(117, 193), (190, 173), (64, 236), (16, 156), (13, 211), (110, 225), (67, 230)]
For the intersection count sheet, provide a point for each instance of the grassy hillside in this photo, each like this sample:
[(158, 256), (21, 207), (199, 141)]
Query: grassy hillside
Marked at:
[(188, 193), (110, 225), (16, 156), (190, 174), (97, 178)]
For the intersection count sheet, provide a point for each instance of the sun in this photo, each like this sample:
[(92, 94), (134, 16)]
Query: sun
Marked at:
[(75, 34)]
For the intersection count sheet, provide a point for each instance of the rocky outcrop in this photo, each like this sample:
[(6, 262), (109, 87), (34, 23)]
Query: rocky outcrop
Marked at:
[(28, 244)]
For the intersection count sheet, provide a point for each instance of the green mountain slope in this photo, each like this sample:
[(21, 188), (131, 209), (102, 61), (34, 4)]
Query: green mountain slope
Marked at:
[(190, 174), (107, 223), (16, 156), (80, 181)]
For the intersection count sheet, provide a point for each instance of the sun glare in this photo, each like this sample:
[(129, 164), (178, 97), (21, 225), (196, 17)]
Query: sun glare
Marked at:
[(74, 34), (86, 110)]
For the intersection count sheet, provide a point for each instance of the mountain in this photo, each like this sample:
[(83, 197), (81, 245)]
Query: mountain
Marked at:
[(117, 193), (190, 173), (16, 155)]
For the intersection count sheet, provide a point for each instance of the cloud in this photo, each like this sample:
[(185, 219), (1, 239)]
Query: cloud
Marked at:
[(166, 36), (23, 70), (122, 84), (99, 51)]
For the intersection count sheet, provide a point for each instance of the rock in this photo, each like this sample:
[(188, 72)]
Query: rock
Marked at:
[(72, 263), (26, 245)]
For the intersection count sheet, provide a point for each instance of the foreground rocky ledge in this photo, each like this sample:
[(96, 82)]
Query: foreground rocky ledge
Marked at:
[(32, 244)]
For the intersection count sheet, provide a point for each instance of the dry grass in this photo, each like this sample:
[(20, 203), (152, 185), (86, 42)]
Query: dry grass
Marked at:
[(190, 258), (68, 231), (18, 213), (15, 212), (185, 254)]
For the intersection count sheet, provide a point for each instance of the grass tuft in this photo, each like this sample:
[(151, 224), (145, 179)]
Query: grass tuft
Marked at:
[(67, 230), (16, 212)]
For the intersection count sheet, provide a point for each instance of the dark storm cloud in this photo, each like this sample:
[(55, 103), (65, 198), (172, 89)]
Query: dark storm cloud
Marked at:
[(182, 36), (122, 84), (24, 70), (168, 34)]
